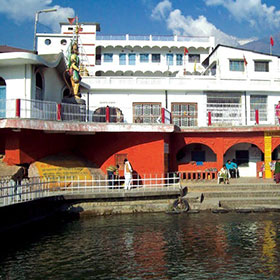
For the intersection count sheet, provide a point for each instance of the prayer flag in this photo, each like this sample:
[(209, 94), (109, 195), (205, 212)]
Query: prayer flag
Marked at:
[(271, 41), (245, 61), (71, 20), (185, 51)]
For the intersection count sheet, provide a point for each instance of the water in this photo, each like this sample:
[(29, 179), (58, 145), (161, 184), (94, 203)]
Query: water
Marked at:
[(149, 246)]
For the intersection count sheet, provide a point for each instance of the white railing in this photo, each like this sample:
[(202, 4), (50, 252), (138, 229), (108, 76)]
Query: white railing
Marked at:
[(152, 38), (39, 187), (28, 190), (216, 114)]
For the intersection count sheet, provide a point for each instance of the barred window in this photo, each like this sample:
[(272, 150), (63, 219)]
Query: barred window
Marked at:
[(258, 102), (146, 112), (261, 66), (236, 65), (184, 114)]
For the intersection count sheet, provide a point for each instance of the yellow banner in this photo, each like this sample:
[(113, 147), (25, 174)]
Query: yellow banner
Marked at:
[(267, 155), (64, 172)]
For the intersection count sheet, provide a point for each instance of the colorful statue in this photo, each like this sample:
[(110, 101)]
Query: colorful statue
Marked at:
[(74, 70)]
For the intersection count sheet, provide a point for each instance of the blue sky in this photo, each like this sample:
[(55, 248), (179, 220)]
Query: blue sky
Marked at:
[(230, 21)]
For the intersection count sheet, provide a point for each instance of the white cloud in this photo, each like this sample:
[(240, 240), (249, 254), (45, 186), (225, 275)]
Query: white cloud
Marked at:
[(22, 10), (257, 14), (161, 10), (187, 26)]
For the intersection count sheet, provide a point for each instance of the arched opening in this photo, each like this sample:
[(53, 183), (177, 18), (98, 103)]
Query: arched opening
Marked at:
[(247, 157), (2, 98), (196, 152), (116, 115)]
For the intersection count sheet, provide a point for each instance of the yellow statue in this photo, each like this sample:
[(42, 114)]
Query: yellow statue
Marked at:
[(74, 70)]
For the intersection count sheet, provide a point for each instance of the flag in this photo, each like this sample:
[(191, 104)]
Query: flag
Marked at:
[(271, 41), (71, 20), (185, 51), (245, 61)]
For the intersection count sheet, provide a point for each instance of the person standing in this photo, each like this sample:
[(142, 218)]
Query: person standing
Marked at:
[(21, 174), (127, 174), (112, 170), (277, 111), (277, 171)]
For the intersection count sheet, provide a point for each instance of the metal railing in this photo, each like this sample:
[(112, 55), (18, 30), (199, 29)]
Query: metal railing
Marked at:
[(216, 114), (39, 187), (130, 37)]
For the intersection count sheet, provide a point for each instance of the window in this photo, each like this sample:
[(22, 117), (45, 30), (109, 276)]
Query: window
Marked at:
[(169, 59), (198, 156), (236, 65), (108, 57), (258, 102), (122, 57), (144, 57), (184, 114), (194, 58), (225, 108), (146, 112), (132, 59), (63, 42), (2, 98), (261, 66), (156, 57), (179, 59), (48, 42)]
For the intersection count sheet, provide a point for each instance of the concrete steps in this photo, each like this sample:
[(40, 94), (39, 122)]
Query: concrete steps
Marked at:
[(234, 196)]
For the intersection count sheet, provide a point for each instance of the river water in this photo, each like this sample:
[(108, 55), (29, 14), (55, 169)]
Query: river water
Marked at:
[(148, 246)]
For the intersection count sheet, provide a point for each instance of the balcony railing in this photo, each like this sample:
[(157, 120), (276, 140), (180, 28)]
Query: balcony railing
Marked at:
[(222, 115), (157, 38)]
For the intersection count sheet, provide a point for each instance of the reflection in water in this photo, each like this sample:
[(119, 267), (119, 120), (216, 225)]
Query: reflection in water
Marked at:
[(150, 246)]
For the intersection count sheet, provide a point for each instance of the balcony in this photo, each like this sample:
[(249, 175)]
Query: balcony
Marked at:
[(215, 115)]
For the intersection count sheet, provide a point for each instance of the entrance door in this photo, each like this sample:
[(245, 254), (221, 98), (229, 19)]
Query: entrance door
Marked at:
[(2, 101)]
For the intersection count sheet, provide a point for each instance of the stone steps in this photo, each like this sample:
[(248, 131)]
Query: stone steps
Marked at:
[(233, 197)]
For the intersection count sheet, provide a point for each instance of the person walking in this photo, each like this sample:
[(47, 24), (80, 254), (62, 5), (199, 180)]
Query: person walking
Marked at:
[(127, 174), (112, 171), (21, 174)]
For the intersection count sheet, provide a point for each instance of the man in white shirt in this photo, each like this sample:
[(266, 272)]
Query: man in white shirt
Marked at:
[(127, 174)]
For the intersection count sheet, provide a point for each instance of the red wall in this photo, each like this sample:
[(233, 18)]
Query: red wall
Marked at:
[(145, 151), (28, 146), (218, 142)]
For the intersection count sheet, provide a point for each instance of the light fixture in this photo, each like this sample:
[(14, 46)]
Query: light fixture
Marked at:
[(35, 25)]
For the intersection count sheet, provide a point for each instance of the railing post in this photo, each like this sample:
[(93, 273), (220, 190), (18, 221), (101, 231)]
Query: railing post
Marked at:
[(257, 116), (18, 108), (58, 113), (209, 119), (162, 115), (107, 114)]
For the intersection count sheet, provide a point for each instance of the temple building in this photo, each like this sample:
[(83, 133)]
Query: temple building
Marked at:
[(167, 103)]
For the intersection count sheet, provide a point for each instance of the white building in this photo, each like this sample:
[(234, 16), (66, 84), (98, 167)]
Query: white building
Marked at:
[(205, 87)]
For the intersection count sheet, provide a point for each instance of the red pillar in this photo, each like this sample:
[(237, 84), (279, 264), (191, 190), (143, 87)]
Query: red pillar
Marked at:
[(257, 116), (107, 114), (58, 112), (162, 115), (18, 108), (209, 119)]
